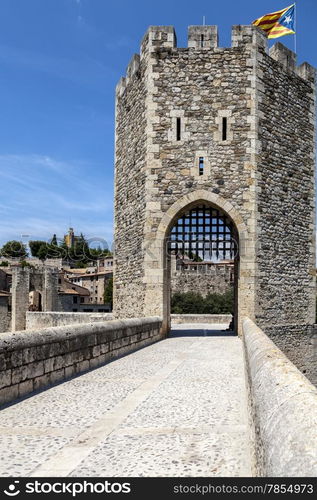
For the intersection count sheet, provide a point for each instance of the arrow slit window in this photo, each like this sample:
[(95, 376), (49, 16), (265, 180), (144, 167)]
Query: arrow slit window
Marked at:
[(224, 128), (178, 129)]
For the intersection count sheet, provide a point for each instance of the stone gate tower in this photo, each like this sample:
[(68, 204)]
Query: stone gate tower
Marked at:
[(232, 128)]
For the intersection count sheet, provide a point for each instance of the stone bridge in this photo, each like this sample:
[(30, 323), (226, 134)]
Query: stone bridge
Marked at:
[(117, 399)]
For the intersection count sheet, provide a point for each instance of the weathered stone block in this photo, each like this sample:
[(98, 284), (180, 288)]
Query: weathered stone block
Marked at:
[(78, 356), (8, 394), (82, 366), (54, 350), (91, 340), (104, 348), (4, 362), (35, 369), (69, 371), (59, 362), (94, 362), (105, 337), (42, 381), (44, 351), (16, 359), (96, 351), (26, 388), (19, 374), (29, 355), (48, 365), (5, 378), (57, 376)]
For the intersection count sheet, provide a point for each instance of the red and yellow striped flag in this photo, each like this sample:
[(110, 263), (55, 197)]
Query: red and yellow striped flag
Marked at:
[(278, 23)]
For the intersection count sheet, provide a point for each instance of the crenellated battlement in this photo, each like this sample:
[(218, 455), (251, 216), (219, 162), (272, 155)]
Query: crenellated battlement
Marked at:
[(283, 55), (133, 67), (205, 38), (158, 37)]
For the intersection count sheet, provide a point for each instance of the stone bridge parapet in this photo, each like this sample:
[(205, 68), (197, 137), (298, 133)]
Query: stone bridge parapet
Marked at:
[(35, 320), (284, 408), (34, 360)]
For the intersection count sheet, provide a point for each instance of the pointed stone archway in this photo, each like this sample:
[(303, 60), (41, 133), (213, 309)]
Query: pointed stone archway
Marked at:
[(157, 262)]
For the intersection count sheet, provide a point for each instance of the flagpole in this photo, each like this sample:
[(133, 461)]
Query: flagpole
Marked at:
[(295, 23)]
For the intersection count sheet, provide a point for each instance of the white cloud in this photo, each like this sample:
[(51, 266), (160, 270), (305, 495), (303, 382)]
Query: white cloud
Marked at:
[(41, 195)]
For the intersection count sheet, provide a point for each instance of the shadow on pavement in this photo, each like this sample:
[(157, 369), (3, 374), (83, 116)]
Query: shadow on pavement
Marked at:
[(203, 332)]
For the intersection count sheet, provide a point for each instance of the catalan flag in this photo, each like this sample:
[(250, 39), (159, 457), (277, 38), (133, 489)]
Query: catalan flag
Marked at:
[(279, 23)]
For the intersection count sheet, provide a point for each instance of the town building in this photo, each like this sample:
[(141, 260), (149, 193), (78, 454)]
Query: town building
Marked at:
[(95, 282), (70, 238)]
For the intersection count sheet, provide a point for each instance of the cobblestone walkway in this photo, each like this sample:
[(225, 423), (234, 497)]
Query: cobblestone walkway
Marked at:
[(176, 408)]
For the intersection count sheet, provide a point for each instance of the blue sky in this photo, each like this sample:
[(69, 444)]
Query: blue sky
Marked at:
[(59, 63)]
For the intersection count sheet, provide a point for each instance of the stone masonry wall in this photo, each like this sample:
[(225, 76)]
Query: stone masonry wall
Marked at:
[(286, 197), (20, 296), (33, 360), (5, 316), (201, 282), (130, 194), (24, 280)]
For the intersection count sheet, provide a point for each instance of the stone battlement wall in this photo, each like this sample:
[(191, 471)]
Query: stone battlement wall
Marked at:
[(284, 409), (206, 38), (33, 360)]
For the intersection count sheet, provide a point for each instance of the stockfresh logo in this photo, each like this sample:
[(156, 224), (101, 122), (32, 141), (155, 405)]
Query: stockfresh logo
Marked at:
[(12, 490), (71, 488)]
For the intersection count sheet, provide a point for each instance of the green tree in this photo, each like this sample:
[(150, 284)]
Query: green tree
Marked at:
[(194, 257), (195, 303), (14, 249), (43, 252), (4, 263), (79, 255), (187, 303), (35, 246), (108, 295)]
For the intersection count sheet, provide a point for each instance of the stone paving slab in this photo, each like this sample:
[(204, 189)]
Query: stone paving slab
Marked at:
[(20, 454), (191, 453), (175, 408)]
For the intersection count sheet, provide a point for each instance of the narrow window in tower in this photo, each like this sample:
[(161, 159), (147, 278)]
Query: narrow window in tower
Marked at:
[(178, 129), (224, 128), (201, 165), (202, 40)]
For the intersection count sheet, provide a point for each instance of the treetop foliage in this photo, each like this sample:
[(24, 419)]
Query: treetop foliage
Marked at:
[(13, 249)]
